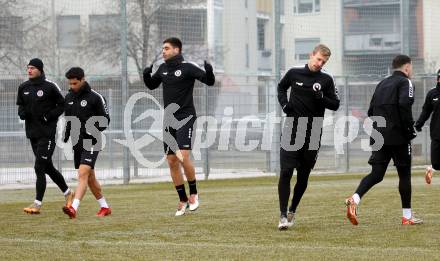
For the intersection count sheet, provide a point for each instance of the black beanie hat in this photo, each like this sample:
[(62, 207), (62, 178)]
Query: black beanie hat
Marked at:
[(37, 63)]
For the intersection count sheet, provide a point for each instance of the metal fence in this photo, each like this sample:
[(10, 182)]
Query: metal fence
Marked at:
[(243, 113), (250, 43)]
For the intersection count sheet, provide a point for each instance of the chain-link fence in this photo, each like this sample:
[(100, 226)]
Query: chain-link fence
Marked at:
[(250, 43)]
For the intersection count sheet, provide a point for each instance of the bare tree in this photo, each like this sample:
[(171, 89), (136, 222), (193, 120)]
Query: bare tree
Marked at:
[(22, 37), (148, 22)]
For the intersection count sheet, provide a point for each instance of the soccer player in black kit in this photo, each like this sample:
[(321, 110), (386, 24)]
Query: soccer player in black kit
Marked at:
[(431, 105), (392, 101), (312, 90), (177, 77), (88, 107), (40, 103)]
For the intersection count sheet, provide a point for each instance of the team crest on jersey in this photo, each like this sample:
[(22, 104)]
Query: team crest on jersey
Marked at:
[(178, 73), (83, 103), (316, 86), (40, 93)]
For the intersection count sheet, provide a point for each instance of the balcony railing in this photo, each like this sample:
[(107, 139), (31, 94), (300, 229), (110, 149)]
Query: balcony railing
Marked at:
[(360, 3)]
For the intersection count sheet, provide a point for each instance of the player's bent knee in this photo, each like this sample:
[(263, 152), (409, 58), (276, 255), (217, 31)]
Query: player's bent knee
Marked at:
[(173, 160), (84, 172)]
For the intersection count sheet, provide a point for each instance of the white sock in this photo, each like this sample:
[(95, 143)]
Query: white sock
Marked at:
[(407, 213), (66, 192), (356, 198), (102, 203), (38, 202), (75, 204)]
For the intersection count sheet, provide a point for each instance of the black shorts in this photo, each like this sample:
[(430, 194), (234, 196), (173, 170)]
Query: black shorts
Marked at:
[(401, 155), (181, 138), (435, 154), (307, 154), (83, 156), (43, 148), (301, 158)]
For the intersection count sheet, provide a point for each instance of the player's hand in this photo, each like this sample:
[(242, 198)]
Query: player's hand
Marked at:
[(208, 67), (287, 108), (411, 133), (44, 119), (148, 71), (319, 95), (22, 116)]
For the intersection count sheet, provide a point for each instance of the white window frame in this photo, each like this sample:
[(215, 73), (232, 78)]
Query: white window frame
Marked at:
[(316, 7)]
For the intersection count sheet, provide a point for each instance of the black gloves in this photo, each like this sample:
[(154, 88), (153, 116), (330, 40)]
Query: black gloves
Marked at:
[(22, 116), (287, 108), (66, 138), (67, 132), (319, 95), (208, 67), (210, 78), (411, 133), (44, 119), (148, 71)]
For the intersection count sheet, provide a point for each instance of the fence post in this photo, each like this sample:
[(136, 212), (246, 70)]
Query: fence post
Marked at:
[(124, 82), (425, 144), (206, 167), (346, 131), (274, 159)]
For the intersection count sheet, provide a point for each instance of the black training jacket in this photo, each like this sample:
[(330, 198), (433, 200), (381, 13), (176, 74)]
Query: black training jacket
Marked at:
[(84, 104), (177, 77), (393, 100), (310, 92), (431, 106), (40, 103)]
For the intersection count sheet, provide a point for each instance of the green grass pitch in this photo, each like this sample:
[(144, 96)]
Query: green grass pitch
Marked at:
[(237, 220)]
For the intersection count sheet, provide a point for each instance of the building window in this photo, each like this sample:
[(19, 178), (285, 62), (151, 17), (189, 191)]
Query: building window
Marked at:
[(303, 48), (68, 31), (261, 33), (307, 6)]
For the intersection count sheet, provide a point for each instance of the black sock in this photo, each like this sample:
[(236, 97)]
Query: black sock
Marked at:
[(182, 193), (192, 187)]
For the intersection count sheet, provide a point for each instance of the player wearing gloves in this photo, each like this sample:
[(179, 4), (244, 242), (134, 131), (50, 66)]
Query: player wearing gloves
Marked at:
[(177, 77), (40, 103), (312, 90)]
